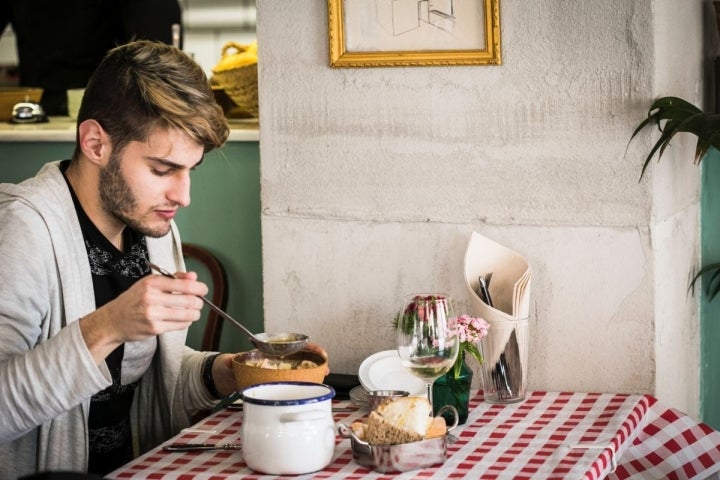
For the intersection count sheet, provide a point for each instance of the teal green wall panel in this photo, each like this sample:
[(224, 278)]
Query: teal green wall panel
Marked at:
[(710, 311), (21, 160), (224, 217)]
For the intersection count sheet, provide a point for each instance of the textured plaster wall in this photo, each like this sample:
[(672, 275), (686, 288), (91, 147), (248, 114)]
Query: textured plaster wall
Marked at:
[(373, 180), (675, 182)]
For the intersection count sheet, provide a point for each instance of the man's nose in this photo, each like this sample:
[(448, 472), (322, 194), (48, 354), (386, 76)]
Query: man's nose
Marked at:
[(180, 190)]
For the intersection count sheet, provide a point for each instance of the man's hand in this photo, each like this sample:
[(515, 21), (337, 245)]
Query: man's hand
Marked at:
[(153, 305), (223, 374)]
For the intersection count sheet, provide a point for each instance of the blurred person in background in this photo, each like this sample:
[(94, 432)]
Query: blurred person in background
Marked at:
[(60, 43)]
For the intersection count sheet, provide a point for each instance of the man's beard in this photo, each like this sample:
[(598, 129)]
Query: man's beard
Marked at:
[(118, 200)]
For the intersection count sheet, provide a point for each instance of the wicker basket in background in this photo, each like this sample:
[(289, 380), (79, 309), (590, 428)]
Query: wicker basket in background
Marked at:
[(238, 78)]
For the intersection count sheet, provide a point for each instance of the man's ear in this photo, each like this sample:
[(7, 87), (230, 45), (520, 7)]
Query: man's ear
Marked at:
[(94, 142)]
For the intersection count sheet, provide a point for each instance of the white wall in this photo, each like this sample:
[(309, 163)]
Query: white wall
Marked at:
[(678, 70), (373, 179)]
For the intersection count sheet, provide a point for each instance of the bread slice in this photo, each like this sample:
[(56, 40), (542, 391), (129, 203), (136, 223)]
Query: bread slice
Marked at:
[(381, 432), (359, 429), (411, 414), (403, 420), (436, 428)]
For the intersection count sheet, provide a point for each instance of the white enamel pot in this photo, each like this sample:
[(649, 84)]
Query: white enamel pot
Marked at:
[(287, 427)]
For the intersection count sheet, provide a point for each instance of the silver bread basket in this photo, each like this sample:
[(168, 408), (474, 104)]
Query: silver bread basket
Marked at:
[(402, 457)]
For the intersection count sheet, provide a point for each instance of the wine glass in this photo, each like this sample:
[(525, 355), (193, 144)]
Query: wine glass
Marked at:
[(427, 342)]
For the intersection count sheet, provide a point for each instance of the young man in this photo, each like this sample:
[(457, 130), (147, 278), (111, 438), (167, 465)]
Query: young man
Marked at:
[(93, 355)]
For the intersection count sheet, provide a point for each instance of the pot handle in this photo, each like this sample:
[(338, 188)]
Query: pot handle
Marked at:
[(346, 432), (303, 416), (453, 410)]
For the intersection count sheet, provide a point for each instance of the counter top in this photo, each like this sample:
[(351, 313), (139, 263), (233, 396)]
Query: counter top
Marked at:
[(62, 129)]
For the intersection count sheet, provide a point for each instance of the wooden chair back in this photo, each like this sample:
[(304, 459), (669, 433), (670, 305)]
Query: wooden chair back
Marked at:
[(214, 322)]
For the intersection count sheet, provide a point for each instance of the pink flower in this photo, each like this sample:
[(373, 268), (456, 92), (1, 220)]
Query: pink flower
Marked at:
[(470, 330)]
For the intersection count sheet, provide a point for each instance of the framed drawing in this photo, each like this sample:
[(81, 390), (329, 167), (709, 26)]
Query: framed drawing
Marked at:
[(387, 33)]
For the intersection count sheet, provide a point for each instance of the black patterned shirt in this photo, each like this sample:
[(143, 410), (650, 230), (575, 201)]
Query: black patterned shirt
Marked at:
[(113, 272)]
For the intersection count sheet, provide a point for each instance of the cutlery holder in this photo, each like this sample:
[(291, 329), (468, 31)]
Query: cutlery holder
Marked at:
[(505, 353), (505, 348)]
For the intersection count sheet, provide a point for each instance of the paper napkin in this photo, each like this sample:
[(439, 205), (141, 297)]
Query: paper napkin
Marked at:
[(507, 312), (510, 283)]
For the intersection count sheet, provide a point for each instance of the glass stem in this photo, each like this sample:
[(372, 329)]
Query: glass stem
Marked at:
[(430, 399)]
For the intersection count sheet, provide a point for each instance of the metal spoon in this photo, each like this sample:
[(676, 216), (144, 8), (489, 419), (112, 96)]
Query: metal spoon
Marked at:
[(278, 344)]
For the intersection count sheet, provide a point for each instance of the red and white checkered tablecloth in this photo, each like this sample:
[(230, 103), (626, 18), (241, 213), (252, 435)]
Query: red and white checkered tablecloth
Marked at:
[(671, 446), (550, 435)]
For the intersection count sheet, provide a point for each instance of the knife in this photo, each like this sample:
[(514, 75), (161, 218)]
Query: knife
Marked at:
[(187, 447), (484, 289)]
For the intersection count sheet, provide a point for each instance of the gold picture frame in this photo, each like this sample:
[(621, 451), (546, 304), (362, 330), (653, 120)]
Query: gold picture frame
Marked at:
[(382, 33)]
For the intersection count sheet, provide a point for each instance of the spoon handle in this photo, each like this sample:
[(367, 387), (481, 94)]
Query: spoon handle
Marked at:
[(220, 311), (226, 315)]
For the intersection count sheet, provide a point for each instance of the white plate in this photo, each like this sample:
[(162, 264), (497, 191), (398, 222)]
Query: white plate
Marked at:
[(383, 371)]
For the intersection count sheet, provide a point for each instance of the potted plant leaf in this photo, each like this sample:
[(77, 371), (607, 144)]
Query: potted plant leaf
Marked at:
[(673, 115)]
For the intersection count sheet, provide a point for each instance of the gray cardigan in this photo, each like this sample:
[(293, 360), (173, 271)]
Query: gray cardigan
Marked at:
[(47, 375)]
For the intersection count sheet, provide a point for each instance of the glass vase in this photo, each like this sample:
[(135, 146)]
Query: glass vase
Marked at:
[(448, 390)]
